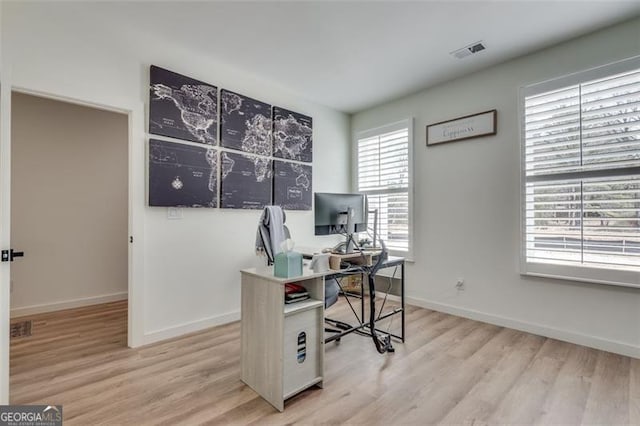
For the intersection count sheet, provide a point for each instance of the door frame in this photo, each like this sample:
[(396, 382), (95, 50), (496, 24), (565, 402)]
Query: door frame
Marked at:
[(136, 187), (5, 224)]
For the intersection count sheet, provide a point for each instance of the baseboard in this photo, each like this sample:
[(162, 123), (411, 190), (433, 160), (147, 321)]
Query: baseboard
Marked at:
[(541, 330), (189, 327), (67, 304), (381, 294)]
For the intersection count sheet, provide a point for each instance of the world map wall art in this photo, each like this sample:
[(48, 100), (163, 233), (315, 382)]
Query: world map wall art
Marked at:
[(182, 108), (260, 154), (182, 175)]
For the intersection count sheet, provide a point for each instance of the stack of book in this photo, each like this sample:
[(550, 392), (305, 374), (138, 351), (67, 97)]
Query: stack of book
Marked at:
[(294, 293)]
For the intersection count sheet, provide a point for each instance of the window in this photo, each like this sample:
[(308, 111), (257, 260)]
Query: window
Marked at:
[(581, 173), (384, 175)]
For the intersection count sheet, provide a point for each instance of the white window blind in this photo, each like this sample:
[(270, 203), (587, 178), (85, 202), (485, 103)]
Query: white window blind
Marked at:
[(383, 174), (582, 171)]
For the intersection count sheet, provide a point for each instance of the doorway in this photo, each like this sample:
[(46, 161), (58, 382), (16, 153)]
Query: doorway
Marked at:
[(69, 217)]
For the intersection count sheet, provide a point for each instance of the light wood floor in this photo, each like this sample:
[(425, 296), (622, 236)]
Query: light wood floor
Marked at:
[(450, 370)]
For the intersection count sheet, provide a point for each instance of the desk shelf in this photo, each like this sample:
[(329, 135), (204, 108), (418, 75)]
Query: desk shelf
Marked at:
[(292, 308)]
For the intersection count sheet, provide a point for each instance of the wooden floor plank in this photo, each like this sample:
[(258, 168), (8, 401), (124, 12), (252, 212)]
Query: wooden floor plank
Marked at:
[(449, 371), (435, 401), (574, 380), (634, 393), (608, 401), (484, 397), (523, 403)]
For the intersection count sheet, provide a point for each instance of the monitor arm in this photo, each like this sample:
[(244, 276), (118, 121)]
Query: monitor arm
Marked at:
[(345, 219)]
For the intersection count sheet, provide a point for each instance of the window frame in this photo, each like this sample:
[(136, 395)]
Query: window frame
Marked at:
[(583, 273), (406, 123)]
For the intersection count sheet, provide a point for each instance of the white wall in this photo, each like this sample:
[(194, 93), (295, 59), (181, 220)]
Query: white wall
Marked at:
[(467, 205), (69, 205), (189, 276)]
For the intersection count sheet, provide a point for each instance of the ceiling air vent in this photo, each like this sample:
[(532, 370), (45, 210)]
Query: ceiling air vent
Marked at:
[(468, 50)]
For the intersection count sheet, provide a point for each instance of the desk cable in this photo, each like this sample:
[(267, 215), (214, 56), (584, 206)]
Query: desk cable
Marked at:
[(382, 343)]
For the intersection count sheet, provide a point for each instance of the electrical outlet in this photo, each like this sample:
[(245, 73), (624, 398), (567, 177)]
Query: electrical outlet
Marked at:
[(460, 284), (174, 213)]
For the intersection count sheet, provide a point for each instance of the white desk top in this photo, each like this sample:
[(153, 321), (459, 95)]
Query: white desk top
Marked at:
[(310, 251), (266, 272)]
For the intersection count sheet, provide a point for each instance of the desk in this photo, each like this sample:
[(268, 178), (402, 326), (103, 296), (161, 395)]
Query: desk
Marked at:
[(282, 345)]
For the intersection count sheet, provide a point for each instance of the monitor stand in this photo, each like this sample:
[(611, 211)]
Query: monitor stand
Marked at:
[(348, 228), (351, 229), (349, 245)]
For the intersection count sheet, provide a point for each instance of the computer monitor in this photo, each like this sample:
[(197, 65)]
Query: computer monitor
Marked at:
[(340, 214)]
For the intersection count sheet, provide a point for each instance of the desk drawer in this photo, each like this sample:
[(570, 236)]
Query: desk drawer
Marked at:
[(302, 350)]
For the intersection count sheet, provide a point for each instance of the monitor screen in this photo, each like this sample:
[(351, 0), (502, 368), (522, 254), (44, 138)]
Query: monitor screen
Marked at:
[(329, 207)]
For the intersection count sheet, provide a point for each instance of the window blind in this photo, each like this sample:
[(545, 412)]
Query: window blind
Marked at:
[(582, 173), (383, 175)]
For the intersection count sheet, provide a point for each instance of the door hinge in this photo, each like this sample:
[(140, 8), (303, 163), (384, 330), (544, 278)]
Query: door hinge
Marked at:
[(9, 255)]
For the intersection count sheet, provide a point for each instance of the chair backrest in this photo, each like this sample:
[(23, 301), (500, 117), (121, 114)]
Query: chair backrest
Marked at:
[(272, 231), (331, 292)]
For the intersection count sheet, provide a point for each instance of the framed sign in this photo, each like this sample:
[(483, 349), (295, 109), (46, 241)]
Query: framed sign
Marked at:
[(467, 127)]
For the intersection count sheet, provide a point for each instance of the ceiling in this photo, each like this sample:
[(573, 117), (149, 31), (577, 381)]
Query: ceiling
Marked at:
[(353, 55)]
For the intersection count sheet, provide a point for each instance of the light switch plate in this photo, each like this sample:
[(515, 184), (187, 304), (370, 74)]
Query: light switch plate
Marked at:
[(174, 213)]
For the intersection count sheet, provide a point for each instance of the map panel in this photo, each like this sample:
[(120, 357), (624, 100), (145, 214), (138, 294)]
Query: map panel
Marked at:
[(246, 124), (182, 175), (246, 181), (183, 108), (292, 188), (292, 135)]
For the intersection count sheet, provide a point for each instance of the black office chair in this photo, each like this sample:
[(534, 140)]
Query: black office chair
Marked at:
[(331, 292), (271, 216)]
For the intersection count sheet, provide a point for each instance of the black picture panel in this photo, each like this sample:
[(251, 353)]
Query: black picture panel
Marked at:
[(181, 107), (292, 185), (292, 135), (182, 175), (246, 181), (246, 124)]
